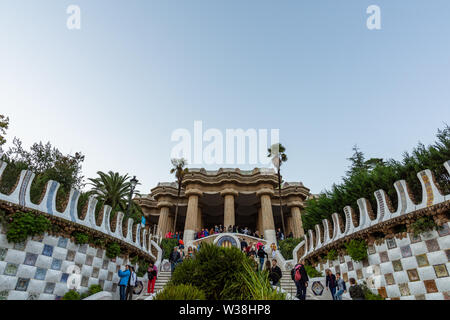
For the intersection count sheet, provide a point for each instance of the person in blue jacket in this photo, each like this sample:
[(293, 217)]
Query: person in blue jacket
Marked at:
[(124, 277)]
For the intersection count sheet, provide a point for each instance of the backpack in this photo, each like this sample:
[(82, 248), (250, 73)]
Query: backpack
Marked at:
[(295, 273)]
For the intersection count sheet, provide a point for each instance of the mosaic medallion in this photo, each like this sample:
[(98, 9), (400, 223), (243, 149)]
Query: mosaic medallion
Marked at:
[(83, 248), (397, 265), (64, 277), (420, 297), (22, 284), (70, 255), (432, 245), (19, 246), (89, 260), (359, 274), (11, 269), (62, 242), (105, 264), (95, 272), (414, 239), (444, 230), (40, 274), (56, 264), (404, 289), (382, 292), (413, 275), (384, 257), (391, 244), (350, 265), (84, 281), (4, 294), (430, 285), (48, 250), (30, 259), (109, 277), (99, 253), (33, 296), (406, 251), (114, 287), (389, 278), (49, 288), (317, 288), (3, 252)]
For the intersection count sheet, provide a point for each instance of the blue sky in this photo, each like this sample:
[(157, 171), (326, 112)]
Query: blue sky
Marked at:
[(137, 70)]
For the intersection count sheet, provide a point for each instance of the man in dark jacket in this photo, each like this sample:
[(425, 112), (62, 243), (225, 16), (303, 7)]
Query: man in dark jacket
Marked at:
[(331, 282), (301, 279), (275, 273), (261, 254), (356, 292), (174, 258), (244, 245)]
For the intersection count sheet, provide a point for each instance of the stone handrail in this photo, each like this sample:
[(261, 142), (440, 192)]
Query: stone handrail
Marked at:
[(431, 196), (21, 196)]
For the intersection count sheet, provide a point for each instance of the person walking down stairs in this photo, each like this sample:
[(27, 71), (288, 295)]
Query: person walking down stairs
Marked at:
[(275, 274), (301, 279), (152, 273)]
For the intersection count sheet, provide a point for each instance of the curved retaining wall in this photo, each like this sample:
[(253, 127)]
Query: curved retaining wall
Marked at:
[(407, 268)]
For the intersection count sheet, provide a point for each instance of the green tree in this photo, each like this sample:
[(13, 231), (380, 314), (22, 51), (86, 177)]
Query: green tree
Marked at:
[(278, 154), (180, 171), (4, 124)]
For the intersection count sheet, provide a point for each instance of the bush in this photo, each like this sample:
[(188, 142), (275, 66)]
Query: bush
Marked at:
[(180, 292), (422, 225), (332, 255), (71, 295), (312, 272), (287, 246), (80, 237), (369, 295), (167, 246), (25, 224), (357, 249), (214, 270), (112, 250), (95, 288), (142, 268)]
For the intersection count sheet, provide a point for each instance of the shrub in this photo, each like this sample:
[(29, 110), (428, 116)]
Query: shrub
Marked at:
[(287, 246), (357, 249), (369, 295), (422, 225), (312, 272), (142, 268), (95, 288), (71, 295), (112, 250), (80, 237), (215, 271), (25, 224), (167, 246), (332, 255), (180, 292)]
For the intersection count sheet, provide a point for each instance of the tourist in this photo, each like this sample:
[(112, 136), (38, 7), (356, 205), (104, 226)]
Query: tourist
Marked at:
[(174, 258), (211, 231), (330, 282), (244, 245), (267, 265), (275, 273), (131, 283), (206, 233), (274, 251), (340, 286), (152, 273), (300, 277), (356, 292), (246, 231), (181, 244), (252, 252), (123, 283), (261, 256), (216, 229), (230, 229)]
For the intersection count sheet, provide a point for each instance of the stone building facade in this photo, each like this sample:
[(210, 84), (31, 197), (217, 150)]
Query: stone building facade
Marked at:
[(227, 197)]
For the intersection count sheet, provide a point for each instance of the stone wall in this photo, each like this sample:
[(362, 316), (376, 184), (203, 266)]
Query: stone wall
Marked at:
[(38, 268)]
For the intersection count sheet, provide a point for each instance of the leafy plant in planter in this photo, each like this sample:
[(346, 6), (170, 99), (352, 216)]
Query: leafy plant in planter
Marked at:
[(71, 295), (142, 269), (80, 237), (167, 246), (25, 224), (357, 249), (112, 250), (332, 255), (423, 225), (312, 272), (287, 246), (180, 292)]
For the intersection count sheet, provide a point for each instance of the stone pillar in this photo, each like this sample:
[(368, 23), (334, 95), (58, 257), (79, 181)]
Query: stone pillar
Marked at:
[(191, 223), (163, 222), (199, 219), (170, 222), (229, 214), (289, 225), (267, 215), (297, 225), (259, 224)]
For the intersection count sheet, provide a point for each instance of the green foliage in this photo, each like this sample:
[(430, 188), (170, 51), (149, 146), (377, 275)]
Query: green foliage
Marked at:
[(180, 292), (357, 249), (25, 224), (312, 272), (80, 237), (423, 224), (214, 270), (95, 288), (287, 246), (369, 295), (332, 255), (142, 267), (167, 246), (4, 124), (10, 175), (112, 250), (366, 176), (71, 295)]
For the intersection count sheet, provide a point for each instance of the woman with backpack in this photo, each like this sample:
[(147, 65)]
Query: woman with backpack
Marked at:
[(300, 277), (152, 273)]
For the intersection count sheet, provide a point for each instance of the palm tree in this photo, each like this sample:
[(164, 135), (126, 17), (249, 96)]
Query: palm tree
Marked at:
[(113, 189), (278, 154), (179, 170)]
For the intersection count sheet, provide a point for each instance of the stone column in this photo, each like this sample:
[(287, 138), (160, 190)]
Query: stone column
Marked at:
[(259, 224), (229, 214), (199, 219), (163, 222), (297, 224), (191, 223), (170, 221), (267, 215)]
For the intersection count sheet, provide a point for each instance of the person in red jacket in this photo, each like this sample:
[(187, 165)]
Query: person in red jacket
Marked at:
[(152, 273)]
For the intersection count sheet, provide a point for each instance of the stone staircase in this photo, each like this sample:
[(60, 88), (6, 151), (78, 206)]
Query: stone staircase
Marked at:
[(161, 281)]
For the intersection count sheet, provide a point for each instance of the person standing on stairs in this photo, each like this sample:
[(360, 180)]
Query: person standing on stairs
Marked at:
[(300, 277), (152, 273), (131, 283), (261, 255), (275, 273), (123, 283), (331, 282)]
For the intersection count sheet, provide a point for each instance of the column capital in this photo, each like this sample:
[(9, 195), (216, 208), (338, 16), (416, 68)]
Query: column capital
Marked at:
[(164, 204), (193, 192), (229, 191), (295, 203), (265, 191)]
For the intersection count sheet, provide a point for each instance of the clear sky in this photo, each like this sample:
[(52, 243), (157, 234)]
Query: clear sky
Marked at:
[(137, 70)]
